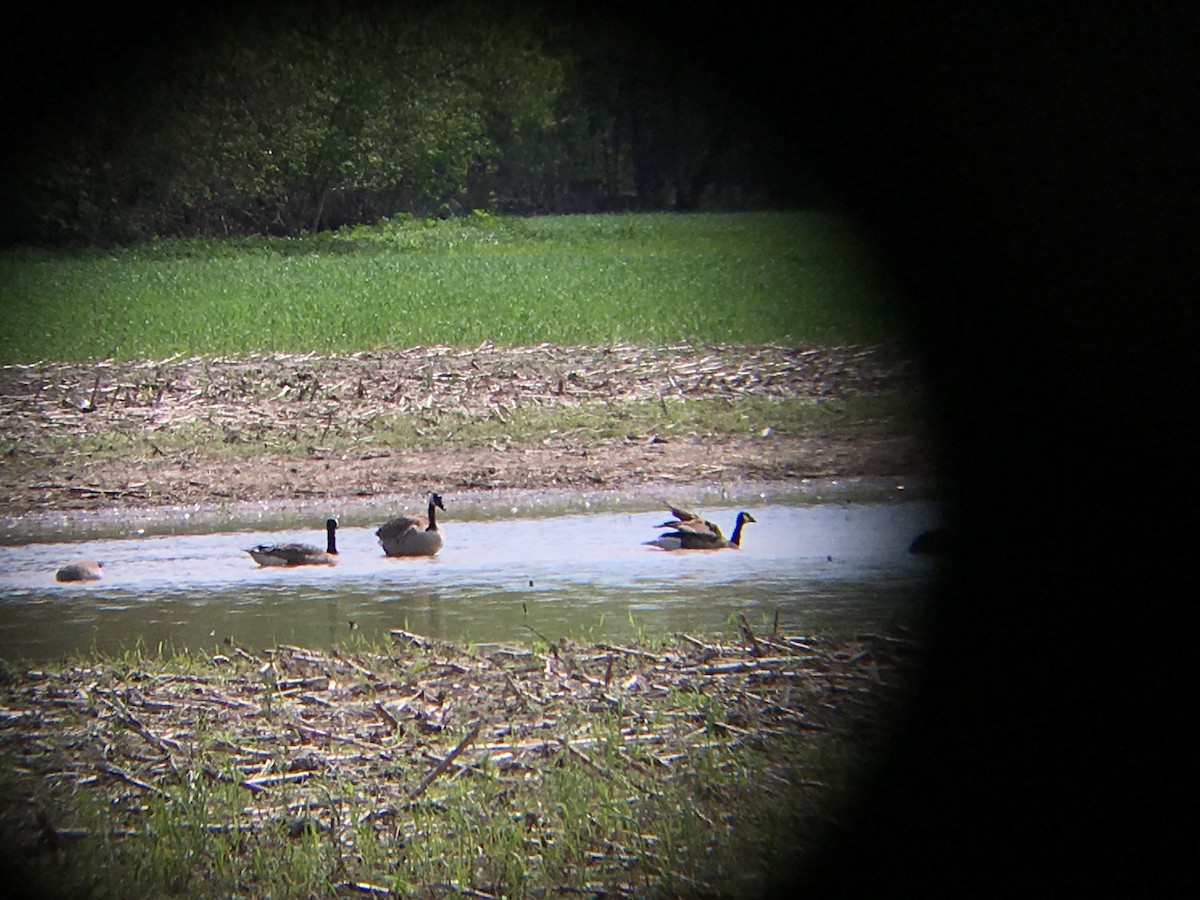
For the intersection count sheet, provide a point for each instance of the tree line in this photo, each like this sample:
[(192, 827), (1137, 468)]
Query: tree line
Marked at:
[(338, 114)]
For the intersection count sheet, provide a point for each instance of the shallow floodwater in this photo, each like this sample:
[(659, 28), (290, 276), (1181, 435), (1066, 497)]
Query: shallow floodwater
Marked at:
[(837, 568)]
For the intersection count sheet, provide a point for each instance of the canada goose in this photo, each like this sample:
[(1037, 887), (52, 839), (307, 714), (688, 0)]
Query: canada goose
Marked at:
[(299, 554), (935, 541), (690, 532), (84, 570), (413, 535)]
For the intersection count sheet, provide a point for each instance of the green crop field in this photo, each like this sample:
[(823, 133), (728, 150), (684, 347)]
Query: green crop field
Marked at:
[(795, 277)]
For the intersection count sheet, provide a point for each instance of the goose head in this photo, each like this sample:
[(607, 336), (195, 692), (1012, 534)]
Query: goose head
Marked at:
[(743, 518)]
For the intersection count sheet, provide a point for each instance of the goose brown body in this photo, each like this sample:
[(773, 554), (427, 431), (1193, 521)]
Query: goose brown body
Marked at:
[(299, 554), (413, 535), (936, 541), (690, 532)]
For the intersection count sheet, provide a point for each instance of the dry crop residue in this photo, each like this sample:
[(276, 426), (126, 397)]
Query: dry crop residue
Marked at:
[(290, 425), (345, 741)]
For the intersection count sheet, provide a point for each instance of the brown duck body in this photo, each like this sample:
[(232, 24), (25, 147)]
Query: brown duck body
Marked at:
[(83, 570), (299, 554), (413, 535), (690, 532)]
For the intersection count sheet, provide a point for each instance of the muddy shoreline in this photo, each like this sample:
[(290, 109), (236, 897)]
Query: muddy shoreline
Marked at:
[(65, 426)]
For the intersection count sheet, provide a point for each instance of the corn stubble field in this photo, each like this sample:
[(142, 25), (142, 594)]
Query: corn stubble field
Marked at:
[(687, 765), (678, 767)]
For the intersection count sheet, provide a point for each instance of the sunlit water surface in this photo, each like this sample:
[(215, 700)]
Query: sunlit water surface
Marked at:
[(838, 568)]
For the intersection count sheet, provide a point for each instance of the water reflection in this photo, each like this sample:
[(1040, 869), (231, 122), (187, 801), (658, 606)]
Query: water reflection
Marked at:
[(825, 567)]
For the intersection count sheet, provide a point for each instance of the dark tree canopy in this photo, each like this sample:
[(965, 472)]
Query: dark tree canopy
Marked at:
[(285, 118)]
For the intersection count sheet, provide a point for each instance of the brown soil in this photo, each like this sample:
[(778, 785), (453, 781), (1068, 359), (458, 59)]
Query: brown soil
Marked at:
[(298, 426)]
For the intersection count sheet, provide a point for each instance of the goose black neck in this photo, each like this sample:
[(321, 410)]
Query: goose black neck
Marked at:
[(331, 537), (432, 513), (736, 540)]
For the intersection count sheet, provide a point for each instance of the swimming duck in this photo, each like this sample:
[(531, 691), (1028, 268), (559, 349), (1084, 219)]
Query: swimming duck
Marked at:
[(690, 532), (413, 535), (299, 554), (84, 570)]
